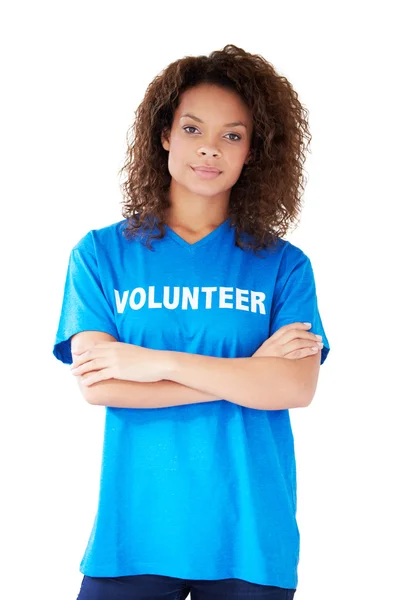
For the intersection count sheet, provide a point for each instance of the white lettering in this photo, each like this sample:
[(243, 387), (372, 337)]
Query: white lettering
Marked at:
[(142, 300), (175, 301), (240, 298), (192, 298), (209, 291), (223, 296), (152, 303), (186, 297), (121, 303), (257, 299)]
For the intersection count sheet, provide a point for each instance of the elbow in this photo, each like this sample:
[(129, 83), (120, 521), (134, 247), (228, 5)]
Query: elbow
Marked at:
[(307, 383), (87, 392), (306, 401), (299, 402), (306, 397), (301, 397)]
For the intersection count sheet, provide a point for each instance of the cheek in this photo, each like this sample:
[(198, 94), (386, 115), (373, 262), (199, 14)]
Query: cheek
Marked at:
[(236, 161), (178, 150), (178, 157)]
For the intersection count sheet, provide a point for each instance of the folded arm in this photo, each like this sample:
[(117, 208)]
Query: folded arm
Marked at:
[(133, 394), (264, 383)]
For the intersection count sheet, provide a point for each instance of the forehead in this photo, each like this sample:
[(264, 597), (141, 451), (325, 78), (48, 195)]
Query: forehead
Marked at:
[(211, 102)]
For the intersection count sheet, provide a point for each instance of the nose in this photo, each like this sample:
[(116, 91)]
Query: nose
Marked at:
[(204, 151)]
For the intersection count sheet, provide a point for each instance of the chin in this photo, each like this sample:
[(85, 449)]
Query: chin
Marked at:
[(204, 188)]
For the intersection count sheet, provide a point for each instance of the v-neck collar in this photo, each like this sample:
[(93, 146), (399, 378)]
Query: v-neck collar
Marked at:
[(209, 237)]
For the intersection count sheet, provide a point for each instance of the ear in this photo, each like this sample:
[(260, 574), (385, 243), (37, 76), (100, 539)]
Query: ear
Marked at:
[(165, 139), (248, 157)]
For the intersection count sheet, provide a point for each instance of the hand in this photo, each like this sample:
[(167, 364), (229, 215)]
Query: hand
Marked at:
[(117, 360), (290, 341)]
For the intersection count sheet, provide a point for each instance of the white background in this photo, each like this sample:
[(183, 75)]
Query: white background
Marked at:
[(72, 75)]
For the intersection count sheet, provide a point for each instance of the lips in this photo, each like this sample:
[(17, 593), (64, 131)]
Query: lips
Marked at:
[(207, 169)]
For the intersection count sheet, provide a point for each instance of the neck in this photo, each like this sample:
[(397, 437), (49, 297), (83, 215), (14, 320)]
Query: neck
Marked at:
[(194, 212)]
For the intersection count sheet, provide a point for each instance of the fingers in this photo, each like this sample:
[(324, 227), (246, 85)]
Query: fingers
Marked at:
[(301, 353), (91, 365), (97, 376), (85, 356), (297, 342), (294, 334), (301, 345), (295, 330), (285, 328)]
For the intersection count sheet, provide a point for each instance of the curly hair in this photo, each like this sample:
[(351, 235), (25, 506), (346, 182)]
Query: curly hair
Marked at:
[(266, 199)]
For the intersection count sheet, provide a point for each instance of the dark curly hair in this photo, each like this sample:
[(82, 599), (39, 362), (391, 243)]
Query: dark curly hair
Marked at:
[(266, 199)]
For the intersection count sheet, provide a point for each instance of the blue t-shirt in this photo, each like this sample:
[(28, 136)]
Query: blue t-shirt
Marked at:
[(205, 490)]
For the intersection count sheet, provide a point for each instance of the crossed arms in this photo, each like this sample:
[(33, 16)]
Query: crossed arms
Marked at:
[(262, 383)]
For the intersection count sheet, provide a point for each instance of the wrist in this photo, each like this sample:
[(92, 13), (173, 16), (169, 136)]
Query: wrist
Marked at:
[(168, 364)]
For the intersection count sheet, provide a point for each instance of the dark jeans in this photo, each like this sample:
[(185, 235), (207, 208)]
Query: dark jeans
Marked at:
[(160, 587)]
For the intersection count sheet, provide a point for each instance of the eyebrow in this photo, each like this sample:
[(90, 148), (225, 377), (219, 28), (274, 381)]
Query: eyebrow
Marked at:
[(234, 124)]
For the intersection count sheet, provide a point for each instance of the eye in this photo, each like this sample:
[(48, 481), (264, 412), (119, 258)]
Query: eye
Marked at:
[(238, 137), (189, 127)]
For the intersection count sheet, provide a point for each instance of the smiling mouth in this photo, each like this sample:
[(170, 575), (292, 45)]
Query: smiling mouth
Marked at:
[(207, 169), (206, 173)]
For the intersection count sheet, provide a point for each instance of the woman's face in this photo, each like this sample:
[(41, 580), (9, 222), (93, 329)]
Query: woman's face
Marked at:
[(209, 137)]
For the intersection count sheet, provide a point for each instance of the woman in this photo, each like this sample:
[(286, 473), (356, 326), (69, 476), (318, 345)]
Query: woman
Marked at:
[(189, 320)]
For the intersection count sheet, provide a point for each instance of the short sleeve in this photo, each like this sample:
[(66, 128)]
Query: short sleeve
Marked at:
[(295, 299), (84, 305)]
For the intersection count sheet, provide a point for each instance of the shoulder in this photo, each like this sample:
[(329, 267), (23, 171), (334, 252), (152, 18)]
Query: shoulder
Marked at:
[(291, 257), (101, 238), (285, 254), (291, 263), (293, 252), (280, 250)]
